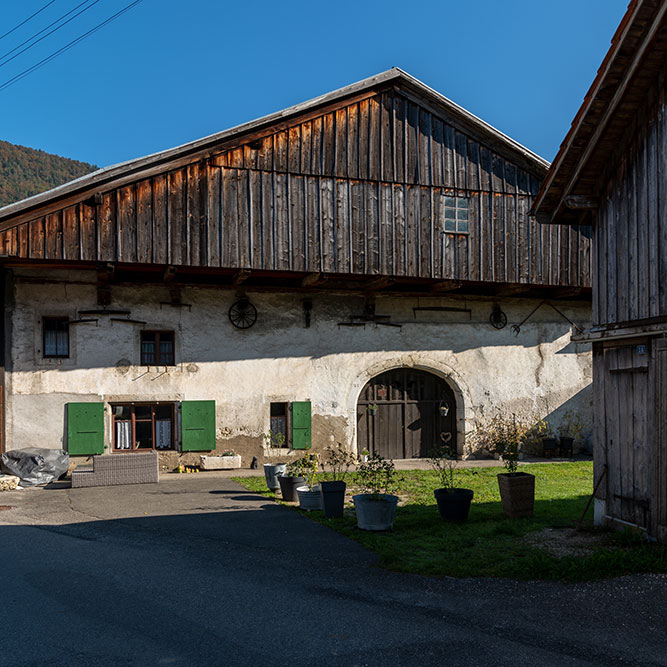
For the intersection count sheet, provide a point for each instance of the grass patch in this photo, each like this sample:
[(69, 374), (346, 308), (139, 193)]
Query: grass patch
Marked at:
[(490, 545)]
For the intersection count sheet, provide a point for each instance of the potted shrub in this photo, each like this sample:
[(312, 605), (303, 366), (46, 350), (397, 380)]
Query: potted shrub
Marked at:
[(376, 506), (570, 431), (272, 470), (338, 462), (309, 493), (453, 502), (505, 436), (290, 481)]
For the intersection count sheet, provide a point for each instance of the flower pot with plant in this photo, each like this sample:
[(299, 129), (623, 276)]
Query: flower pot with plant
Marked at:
[(309, 492), (453, 502), (338, 463), (505, 437), (290, 481), (570, 431), (376, 506)]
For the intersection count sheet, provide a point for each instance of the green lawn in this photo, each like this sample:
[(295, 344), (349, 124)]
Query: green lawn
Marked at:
[(488, 544)]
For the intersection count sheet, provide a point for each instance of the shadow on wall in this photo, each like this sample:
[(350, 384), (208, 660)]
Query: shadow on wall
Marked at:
[(580, 404)]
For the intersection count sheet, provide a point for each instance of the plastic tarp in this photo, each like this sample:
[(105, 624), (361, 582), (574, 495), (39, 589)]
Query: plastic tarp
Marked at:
[(35, 465)]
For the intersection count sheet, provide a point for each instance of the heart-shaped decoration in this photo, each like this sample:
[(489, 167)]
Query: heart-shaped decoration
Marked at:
[(446, 436)]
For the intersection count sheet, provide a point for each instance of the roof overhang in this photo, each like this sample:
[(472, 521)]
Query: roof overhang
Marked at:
[(637, 55)]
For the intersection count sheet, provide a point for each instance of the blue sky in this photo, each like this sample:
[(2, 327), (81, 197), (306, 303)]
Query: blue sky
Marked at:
[(171, 71)]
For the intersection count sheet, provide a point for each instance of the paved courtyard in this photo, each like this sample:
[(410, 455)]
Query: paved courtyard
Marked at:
[(198, 571)]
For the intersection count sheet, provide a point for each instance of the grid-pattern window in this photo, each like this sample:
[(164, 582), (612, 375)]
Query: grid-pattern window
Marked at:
[(456, 215), (55, 337), (139, 426), (157, 348)]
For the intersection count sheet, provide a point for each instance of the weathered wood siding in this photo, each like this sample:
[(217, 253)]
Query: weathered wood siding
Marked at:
[(624, 395), (358, 189), (631, 232)]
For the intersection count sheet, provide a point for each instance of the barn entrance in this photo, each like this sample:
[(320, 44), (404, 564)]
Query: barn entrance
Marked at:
[(404, 413)]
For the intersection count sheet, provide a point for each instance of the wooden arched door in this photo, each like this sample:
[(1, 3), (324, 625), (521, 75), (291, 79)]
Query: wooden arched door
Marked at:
[(404, 413)]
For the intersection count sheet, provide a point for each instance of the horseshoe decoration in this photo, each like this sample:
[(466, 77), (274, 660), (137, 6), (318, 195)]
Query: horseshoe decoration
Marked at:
[(446, 436)]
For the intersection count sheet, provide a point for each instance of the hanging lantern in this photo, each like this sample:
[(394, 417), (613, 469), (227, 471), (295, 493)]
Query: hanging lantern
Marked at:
[(444, 408)]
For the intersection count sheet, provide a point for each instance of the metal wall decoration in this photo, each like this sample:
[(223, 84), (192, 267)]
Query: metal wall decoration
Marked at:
[(498, 318), (242, 314)]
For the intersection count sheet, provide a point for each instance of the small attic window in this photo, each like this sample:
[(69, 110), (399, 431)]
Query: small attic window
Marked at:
[(456, 215)]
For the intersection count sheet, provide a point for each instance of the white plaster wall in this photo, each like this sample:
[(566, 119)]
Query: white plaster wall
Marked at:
[(279, 359)]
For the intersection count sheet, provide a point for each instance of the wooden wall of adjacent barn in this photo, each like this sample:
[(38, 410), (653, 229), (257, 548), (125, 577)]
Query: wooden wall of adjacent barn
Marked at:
[(631, 230), (355, 189)]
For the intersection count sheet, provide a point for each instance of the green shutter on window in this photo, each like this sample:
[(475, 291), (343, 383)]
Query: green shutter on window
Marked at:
[(301, 425), (197, 426), (85, 428)]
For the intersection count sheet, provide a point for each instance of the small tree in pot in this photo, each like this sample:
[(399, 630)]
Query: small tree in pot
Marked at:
[(309, 493), (291, 480), (338, 463), (453, 502), (505, 436), (376, 506)]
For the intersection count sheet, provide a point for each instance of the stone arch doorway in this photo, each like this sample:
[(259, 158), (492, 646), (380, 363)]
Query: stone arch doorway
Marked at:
[(403, 413)]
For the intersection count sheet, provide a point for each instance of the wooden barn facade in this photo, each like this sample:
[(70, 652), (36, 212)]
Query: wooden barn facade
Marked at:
[(611, 171), (339, 271)]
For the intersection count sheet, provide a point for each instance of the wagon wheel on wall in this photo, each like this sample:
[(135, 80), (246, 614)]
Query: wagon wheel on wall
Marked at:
[(242, 314)]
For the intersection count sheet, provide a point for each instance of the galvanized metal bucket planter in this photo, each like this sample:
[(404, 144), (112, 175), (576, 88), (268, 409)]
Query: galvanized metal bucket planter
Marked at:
[(271, 472), (454, 504), (309, 499), (517, 494), (288, 487), (333, 498), (375, 512)]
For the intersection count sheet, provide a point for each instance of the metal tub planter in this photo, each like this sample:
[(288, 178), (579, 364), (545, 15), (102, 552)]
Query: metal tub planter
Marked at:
[(309, 499), (271, 472), (375, 511)]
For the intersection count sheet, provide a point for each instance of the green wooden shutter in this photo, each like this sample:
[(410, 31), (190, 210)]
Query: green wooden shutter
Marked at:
[(85, 428), (301, 425), (197, 426)]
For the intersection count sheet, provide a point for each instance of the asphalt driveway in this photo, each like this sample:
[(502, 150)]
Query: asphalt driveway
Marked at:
[(198, 571)]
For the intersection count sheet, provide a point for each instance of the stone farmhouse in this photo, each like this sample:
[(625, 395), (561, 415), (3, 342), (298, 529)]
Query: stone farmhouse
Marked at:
[(351, 269)]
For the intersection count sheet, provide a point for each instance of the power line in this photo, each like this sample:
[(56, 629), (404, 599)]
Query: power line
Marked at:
[(32, 16), (48, 33), (61, 50)]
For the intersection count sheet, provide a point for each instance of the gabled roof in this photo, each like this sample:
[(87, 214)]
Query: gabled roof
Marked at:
[(193, 150), (637, 54)]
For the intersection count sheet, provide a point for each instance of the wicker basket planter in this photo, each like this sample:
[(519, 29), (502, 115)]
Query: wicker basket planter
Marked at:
[(517, 494)]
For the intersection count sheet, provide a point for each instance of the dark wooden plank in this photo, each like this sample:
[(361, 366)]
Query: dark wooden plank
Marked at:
[(317, 146), (24, 240), (485, 168), (250, 156), (374, 139), (281, 223), (71, 236), (412, 145), (621, 259), (450, 159), (461, 160), (88, 224), (353, 140), (106, 216), (256, 222), (612, 226), (268, 222), (342, 217), (386, 223), (438, 153), (526, 233), (425, 131), (473, 165), (374, 241), (426, 233), (144, 195), (235, 158), (412, 220), (294, 149), (230, 219), (329, 148), (387, 132), (161, 229), (651, 226), (497, 173), (244, 229), (341, 143), (297, 220), (500, 238), (265, 154), (358, 231), (364, 135), (313, 247), (474, 237), (486, 201), (400, 134), (127, 221), (400, 239), (213, 214), (662, 212), (327, 211), (176, 211), (280, 151), (53, 239)]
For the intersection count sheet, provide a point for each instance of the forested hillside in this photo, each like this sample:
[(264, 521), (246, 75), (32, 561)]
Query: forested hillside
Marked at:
[(26, 171)]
